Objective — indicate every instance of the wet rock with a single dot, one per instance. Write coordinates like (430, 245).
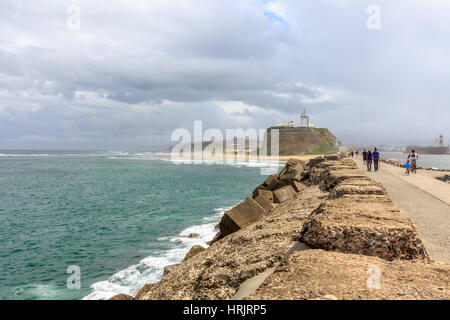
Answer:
(194, 235)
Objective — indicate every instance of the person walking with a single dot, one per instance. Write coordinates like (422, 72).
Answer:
(357, 153)
(376, 158)
(364, 154)
(369, 161)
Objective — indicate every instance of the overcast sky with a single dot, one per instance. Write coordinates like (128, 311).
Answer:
(136, 70)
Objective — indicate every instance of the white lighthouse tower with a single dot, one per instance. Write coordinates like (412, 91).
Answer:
(304, 119)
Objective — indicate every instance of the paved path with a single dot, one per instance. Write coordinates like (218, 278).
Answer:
(425, 200)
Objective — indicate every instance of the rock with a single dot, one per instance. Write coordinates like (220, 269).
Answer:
(256, 191)
(445, 178)
(216, 238)
(331, 157)
(270, 180)
(276, 184)
(318, 274)
(169, 268)
(264, 203)
(194, 251)
(282, 194)
(266, 194)
(363, 224)
(329, 297)
(241, 216)
(312, 162)
(218, 272)
(289, 178)
(144, 290)
(298, 186)
(121, 296)
(194, 235)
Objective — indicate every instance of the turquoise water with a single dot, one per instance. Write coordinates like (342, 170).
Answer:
(119, 217)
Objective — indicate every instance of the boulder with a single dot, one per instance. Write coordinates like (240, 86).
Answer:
(294, 166)
(284, 193)
(331, 157)
(144, 290)
(298, 186)
(194, 235)
(240, 217)
(266, 194)
(363, 224)
(288, 178)
(274, 183)
(312, 162)
(121, 296)
(264, 203)
(269, 180)
(260, 187)
(194, 250)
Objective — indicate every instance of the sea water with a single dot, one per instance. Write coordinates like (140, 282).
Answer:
(119, 217)
(439, 161)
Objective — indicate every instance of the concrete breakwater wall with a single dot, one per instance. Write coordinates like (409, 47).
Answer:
(346, 226)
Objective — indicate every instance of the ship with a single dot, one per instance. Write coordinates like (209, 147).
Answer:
(439, 147)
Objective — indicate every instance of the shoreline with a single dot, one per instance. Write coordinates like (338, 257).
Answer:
(264, 229)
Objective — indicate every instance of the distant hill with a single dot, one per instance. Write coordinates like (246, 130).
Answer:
(302, 140)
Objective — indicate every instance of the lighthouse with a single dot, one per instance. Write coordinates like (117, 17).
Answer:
(304, 119)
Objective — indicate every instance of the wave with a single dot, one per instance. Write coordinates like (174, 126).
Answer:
(150, 269)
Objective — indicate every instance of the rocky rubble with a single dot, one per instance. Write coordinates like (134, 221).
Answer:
(445, 178)
(359, 217)
(344, 217)
(217, 272)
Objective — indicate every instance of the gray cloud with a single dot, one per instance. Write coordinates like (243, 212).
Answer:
(137, 70)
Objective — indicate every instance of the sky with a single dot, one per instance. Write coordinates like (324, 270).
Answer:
(125, 74)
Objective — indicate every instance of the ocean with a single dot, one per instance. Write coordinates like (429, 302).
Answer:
(119, 217)
(439, 161)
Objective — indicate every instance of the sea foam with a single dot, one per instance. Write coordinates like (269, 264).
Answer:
(150, 269)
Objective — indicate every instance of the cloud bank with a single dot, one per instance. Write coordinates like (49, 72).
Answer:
(136, 70)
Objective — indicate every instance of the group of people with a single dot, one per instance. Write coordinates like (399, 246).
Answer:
(373, 157)
(370, 157)
(411, 162)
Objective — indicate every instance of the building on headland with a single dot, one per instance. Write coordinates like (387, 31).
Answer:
(303, 139)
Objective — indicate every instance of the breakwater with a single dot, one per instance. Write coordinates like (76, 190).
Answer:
(320, 228)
